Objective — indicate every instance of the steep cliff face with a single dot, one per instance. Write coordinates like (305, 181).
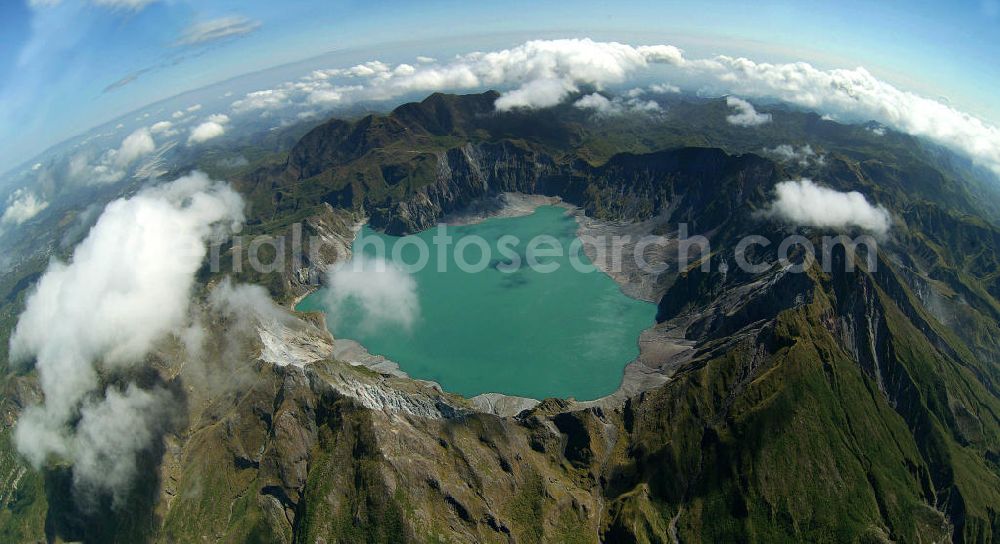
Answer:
(422, 176)
(462, 176)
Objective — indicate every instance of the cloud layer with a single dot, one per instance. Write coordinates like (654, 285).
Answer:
(126, 287)
(537, 74)
(543, 73)
(852, 95)
(804, 203)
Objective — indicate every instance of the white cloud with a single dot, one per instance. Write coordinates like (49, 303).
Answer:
(370, 69)
(537, 93)
(22, 206)
(134, 145)
(165, 128)
(537, 73)
(595, 101)
(177, 114)
(193, 108)
(803, 156)
(262, 100)
(213, 127)
(664, 88)
(114, 164)
(804, 203)
(647, 106)
(217, 29)
(327, 97)
(126, 287)
(385, 294)
(854, 96)
(746, 115)
(630, 103)
(206, 131)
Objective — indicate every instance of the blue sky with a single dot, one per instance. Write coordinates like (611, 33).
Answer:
(69, 65)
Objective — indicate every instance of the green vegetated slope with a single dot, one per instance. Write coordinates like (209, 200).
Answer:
(840, 406)
(785, 436)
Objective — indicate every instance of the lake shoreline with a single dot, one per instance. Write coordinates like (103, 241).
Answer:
(636, 376)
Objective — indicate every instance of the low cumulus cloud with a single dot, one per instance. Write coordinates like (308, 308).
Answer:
(22, 205)
(114, 164)
(126, 288)
(163, 128)
(597, 102)
(746, 115)
(134, 145)
(213, 127)
(267, 99)
(664, 88)
(805, 203)
(631, 102)
(803, 156)
(385, 294)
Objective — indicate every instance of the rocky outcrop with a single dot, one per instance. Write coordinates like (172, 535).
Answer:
(464, 175)
(627, 188)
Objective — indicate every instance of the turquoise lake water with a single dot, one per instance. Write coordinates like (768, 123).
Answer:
(561, 334)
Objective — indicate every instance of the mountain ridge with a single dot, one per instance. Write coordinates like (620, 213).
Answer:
(823, 406)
